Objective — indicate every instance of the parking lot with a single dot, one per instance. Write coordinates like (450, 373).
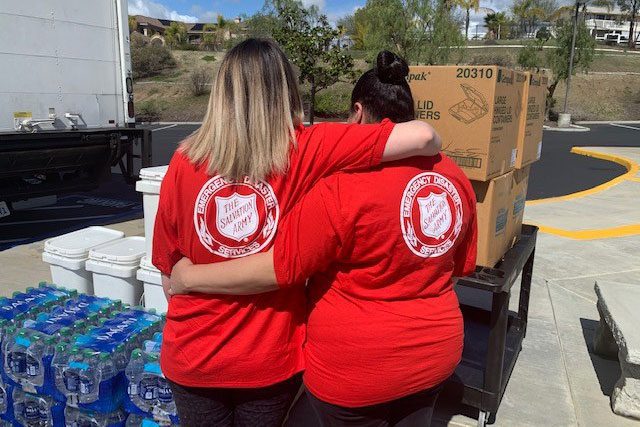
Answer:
(559, 172)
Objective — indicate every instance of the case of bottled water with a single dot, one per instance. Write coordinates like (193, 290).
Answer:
(29, 350)
(148, 392)
(75, 417)
(90, 372)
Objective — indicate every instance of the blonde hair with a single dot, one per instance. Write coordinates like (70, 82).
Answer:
(253, 111)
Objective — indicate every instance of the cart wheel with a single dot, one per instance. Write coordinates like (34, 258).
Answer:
(483, 417)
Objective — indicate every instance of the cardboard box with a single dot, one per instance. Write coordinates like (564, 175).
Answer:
(476, 110)
(519, 186)
(494, 202)
(500, 208)
(529, 144)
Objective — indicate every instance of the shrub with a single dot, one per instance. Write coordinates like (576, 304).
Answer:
(148, 111)
(187, 46)
(150, 60)
(502, 60)
(209, 58)
(333, 103)
(198, 81)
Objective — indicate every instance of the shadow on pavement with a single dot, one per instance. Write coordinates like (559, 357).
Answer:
(607, 371)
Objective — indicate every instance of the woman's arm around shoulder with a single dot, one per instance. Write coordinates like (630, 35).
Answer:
(409, 139)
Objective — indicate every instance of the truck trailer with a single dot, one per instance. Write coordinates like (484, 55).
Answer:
(66, 98)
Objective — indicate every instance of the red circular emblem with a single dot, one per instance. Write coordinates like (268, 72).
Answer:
(430, 215)
(234, 219)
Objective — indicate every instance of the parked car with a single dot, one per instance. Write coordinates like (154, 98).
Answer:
(616, 39)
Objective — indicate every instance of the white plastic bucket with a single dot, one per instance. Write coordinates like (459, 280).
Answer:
(114, 268)
(67, 256)
(152, 282)
(149, 186)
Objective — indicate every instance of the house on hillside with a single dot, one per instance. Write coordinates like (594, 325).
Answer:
(601, 20)
(155, 28)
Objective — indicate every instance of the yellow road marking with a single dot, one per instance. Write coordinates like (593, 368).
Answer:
(603, 233)
(631, 166)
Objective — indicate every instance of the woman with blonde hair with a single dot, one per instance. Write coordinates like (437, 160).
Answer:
(236, 360)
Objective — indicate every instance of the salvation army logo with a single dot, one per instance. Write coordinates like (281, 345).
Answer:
(234, 219)
(430, 215)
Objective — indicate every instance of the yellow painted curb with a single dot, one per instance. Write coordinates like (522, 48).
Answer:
(631, 166)
(604, 233)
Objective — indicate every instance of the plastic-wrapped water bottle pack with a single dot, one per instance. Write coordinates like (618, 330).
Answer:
(90, 372)
(29, 350)
(73, 360)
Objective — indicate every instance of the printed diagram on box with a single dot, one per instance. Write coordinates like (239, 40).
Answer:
(472, 108)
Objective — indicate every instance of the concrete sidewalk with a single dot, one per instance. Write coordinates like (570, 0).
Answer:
(557, 380)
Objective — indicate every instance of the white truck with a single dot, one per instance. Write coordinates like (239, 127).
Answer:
(66, 97)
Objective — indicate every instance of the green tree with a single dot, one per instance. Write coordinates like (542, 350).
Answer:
(558, 59)
(133, 24)
(498, 24)
(209, 37)
(631, 9)
(467, 5)
(529, 13)
(418, 30)
(309, 41)
(355, 27)
(176, 34)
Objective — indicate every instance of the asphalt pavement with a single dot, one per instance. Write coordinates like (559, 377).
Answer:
(559, 172)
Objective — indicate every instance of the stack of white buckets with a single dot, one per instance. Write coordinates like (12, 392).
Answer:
(103, 262)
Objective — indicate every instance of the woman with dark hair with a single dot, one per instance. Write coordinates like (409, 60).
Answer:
(236, 360)
(380, 249)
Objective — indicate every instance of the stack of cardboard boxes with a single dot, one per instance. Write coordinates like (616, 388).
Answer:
(490, 119)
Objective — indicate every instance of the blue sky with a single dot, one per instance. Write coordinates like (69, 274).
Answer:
(208, 10)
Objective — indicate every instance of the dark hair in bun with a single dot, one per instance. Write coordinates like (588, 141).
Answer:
(384, 92)
(390, 68)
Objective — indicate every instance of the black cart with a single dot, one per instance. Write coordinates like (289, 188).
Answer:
(493, 335)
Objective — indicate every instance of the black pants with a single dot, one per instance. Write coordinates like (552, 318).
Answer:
(225, 407)
(414, 410)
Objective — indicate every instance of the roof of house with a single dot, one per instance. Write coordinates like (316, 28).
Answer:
(165, 23)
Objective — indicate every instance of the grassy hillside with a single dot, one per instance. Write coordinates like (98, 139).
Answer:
(594, 96)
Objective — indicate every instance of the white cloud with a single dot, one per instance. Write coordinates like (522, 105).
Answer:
(157, 10)
(204, 15)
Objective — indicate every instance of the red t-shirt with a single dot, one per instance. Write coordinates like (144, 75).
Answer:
(384, 321)
(244, 341)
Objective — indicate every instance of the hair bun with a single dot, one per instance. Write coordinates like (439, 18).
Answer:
(390, 68)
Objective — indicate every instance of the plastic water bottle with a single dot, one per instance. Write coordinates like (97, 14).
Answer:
(135, 420)
(4, 399)
(75, 417)
(37, 410)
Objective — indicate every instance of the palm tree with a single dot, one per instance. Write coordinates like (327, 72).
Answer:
(467, 5)
(496, 22)
(176, 34)
(133, 24)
